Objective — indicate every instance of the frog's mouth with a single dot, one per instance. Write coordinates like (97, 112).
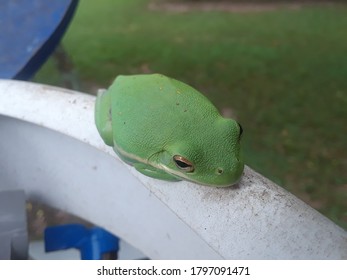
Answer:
(183, 176)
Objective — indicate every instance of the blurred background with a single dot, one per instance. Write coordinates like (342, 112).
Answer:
(279, 68)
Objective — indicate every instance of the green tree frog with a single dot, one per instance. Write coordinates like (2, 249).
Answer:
(168, 130)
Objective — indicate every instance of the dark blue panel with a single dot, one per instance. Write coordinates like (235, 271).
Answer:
(29, 32)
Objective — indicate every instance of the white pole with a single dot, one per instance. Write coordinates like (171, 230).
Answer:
(57, 157)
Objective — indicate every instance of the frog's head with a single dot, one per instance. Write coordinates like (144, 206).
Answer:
(213, 158)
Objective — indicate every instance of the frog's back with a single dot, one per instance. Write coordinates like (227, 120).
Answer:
(152, 110)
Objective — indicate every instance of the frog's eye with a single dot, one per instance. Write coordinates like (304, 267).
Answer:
(183, 164)
(241, 131)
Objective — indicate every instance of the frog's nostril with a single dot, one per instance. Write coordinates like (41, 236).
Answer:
(220, 171)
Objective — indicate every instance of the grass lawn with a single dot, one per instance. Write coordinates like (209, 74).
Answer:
(283, 74)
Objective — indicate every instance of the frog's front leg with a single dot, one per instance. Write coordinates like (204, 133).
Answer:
(103, 117)
(153, 172)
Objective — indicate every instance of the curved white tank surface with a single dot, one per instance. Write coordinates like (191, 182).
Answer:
(50, 148)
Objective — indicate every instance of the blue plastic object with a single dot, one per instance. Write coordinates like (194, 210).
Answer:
(29, 33)
(93, 243)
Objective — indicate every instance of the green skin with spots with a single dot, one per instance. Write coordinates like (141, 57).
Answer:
(168, 130)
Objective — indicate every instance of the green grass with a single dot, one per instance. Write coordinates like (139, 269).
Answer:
(283, 73)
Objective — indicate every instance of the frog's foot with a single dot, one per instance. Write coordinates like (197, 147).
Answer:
(153, 172)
